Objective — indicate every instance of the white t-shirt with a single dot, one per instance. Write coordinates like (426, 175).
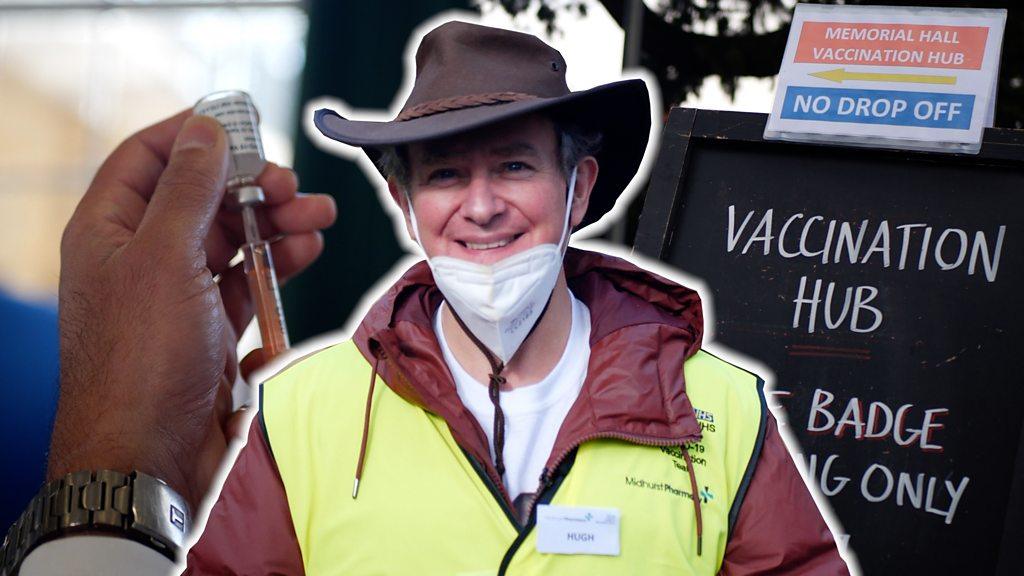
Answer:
(534, 413)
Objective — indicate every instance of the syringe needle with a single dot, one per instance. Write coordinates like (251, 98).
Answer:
(249, 224)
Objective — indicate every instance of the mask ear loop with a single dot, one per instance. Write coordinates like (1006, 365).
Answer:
(412, 219)
(568, 210)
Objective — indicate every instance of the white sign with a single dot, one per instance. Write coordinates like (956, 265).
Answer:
(577, 530)
(915, 78)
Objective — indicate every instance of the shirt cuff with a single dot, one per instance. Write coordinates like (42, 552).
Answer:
(95, 555)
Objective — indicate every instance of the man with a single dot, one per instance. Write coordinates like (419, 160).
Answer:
(511, 405)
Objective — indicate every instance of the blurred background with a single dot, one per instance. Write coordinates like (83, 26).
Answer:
(78, 77)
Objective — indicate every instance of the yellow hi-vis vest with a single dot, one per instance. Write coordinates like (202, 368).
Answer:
(424, 508)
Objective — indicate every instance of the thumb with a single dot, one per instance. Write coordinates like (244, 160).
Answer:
(237, 423)
(252, 362)
(191, 187)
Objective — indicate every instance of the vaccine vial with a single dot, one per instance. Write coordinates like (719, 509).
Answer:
(237, 114)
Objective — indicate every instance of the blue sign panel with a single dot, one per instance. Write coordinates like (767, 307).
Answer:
(893, 107)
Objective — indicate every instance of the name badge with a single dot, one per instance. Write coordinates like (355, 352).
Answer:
(575, 530)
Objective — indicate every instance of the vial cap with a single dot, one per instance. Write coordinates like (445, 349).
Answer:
(235, 111)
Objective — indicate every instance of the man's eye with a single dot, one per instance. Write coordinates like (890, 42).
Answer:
(442, 174)
(517, 166)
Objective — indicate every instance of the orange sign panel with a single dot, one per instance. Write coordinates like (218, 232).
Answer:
(908, 45)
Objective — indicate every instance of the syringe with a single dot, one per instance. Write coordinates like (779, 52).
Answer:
(237, 114)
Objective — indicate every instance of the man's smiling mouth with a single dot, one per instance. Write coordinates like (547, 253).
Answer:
(489, 245)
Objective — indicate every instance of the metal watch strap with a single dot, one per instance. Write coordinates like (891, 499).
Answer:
(136, 506)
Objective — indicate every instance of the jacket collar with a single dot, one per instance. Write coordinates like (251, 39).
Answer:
(643, 327)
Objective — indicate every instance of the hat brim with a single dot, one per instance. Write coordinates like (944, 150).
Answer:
(620, 111)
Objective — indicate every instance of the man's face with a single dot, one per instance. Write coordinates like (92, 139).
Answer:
(489, 194)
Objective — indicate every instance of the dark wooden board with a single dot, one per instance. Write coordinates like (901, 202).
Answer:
(937, 341)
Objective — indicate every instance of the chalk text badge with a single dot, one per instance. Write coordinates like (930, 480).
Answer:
(912, 78)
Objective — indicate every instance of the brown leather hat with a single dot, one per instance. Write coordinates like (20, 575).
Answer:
(469, 76)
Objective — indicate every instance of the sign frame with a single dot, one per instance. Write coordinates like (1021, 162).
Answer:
(840, 86)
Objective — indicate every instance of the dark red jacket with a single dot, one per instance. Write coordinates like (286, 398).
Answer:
(642, 329)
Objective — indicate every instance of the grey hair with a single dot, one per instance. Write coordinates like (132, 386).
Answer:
(575, 142)
(393, 162)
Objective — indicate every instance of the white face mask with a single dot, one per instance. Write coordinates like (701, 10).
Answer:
(500, 302)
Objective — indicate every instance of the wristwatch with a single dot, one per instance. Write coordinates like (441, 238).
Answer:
(136, 506)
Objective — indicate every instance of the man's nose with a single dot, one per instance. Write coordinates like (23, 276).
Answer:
(481, 204)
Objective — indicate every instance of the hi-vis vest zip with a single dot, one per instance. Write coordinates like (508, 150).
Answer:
(423, 507)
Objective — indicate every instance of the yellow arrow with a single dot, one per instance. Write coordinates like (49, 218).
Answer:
(840, 74)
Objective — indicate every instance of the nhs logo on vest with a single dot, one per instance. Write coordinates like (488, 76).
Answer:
(705, 419)
(911, 78)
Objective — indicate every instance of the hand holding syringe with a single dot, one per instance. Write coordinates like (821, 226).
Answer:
(236, 113)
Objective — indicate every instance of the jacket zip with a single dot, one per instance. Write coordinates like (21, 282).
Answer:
(547, 482)
(498, 495)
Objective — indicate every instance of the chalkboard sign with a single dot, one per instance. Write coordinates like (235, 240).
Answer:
(884, 288)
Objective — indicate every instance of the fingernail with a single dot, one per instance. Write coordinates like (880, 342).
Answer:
(197, 132)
